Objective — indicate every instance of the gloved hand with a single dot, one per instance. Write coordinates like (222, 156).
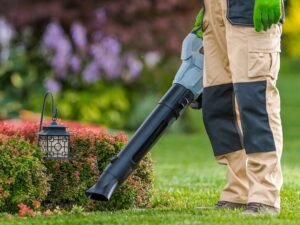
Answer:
(266, 13)
(197, 29)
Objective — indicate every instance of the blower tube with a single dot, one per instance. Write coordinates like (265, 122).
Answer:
(169, 108)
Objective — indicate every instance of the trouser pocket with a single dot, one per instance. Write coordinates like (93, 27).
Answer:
(264, 56)
(263, 64)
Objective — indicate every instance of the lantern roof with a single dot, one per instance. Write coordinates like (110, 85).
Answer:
(54, 129)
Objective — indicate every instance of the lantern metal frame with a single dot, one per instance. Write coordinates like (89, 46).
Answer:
(53, 139)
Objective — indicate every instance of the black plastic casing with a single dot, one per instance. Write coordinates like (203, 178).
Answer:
(169, 109)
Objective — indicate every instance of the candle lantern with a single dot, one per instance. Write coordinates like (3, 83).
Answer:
(53, 139)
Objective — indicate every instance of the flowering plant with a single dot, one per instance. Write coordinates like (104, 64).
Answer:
(25, 211)
(91, 150)
(75, 58)
(101, 58)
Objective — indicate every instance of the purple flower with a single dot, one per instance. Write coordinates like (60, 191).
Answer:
(52, 85)
(152, 59)
(111, 45)
(63, 46)
(78, 33)
(6, 32)
(98, 52)
(112, 67)
(107, 46)
(75, 63)
(59, 64)
(6, 35)
(53, 32)
(55, 39)
(91, 73)
(60, 60)
(106, 54)
(134, 65)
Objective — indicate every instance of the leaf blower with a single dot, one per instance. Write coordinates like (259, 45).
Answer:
(186, 89)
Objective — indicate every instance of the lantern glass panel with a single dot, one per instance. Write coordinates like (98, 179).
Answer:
(54, 146)
(43, 143)
(57, 146)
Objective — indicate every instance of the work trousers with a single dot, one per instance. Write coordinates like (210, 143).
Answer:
(241, 105)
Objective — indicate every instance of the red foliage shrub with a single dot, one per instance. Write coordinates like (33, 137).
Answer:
(91, 150)
(26, 130)
(25, 211)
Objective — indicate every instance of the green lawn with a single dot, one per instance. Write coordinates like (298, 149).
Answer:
(186, 176)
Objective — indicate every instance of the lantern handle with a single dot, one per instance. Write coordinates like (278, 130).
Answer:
(53, 109)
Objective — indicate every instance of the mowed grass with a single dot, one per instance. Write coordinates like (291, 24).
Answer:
(187, 176)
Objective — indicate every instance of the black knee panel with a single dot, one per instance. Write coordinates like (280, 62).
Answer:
(220, 120)
(252, 102)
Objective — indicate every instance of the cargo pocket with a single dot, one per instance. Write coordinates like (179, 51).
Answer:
(263, 56)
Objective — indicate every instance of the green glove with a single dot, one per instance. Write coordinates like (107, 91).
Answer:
(266, 13)
(197, 29)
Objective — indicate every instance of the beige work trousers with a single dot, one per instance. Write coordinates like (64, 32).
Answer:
(241, 105)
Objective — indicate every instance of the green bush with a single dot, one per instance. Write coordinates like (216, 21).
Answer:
(91, 151)
(107, 104)
(23, 177)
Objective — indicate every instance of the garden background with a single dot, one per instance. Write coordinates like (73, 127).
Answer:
(108, 62)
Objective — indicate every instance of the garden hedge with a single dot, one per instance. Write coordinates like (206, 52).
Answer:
(23, 177)
(91, 150)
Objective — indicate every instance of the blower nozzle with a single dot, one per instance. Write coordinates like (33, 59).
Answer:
(104, 188)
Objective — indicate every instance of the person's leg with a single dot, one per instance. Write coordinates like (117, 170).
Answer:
(254, 63)
(218, 105)
(236, 189)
